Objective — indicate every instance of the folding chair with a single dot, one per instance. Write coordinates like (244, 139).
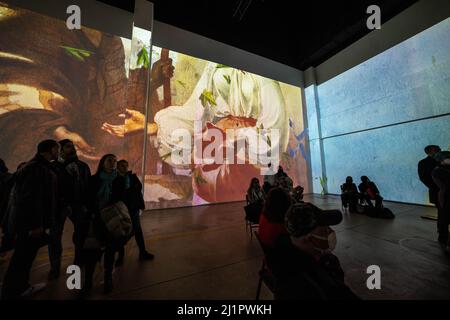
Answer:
(264, 273)
(249, 225)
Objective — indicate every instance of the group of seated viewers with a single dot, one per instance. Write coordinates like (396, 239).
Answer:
(368, 191)
(298, 242)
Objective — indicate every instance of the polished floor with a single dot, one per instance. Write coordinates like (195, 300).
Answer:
(205, 253)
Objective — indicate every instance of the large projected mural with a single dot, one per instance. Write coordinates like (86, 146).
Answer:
(377, 117)
(93, 88)
(59, 83)
(218, 98)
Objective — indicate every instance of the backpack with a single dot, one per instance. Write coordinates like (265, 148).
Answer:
(117, 223)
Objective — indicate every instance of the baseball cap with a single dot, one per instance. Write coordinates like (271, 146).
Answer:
(302, 218)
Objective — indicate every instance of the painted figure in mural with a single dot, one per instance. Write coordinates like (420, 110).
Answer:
(63, 84)
(59, 83)
(237, 100)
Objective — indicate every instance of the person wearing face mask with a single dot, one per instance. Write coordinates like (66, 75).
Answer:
(302, 262)
(441, 177)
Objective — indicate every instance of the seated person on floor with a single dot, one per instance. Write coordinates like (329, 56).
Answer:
(301, 260)
(369, 191)
(271, 221)
(349, 195)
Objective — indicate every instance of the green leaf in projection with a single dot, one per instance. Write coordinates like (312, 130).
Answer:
(227, 78)
(143, 58)
(198, 178)
(207, 97)
(79, 54)
(261, 127)
(219, 66)
(182, 83)
(269, 142)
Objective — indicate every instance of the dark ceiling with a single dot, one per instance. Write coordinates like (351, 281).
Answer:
(298, 34)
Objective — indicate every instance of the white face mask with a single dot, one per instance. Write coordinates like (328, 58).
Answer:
(331, 239)
(446, 162)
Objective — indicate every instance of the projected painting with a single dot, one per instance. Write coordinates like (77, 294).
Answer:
(222, 98)
(93, 88)
(58, 83)
(377, 117)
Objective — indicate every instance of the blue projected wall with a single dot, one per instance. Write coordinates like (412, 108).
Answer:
(376, 118)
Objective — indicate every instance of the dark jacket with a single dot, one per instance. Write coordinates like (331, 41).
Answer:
(132, 197)
(424, 169)
(33, 202)
(74, 176)
(299, 276)
(441, 176)
(363, 187)
(349, 187)
(6, 183)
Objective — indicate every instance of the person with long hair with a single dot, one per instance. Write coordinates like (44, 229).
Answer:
(100, 196)
(254, 192)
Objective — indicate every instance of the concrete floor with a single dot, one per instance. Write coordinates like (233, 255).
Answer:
(205, 253)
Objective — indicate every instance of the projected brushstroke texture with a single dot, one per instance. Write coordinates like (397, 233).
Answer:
(237, 93)
(57, 83)
(410, 81)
